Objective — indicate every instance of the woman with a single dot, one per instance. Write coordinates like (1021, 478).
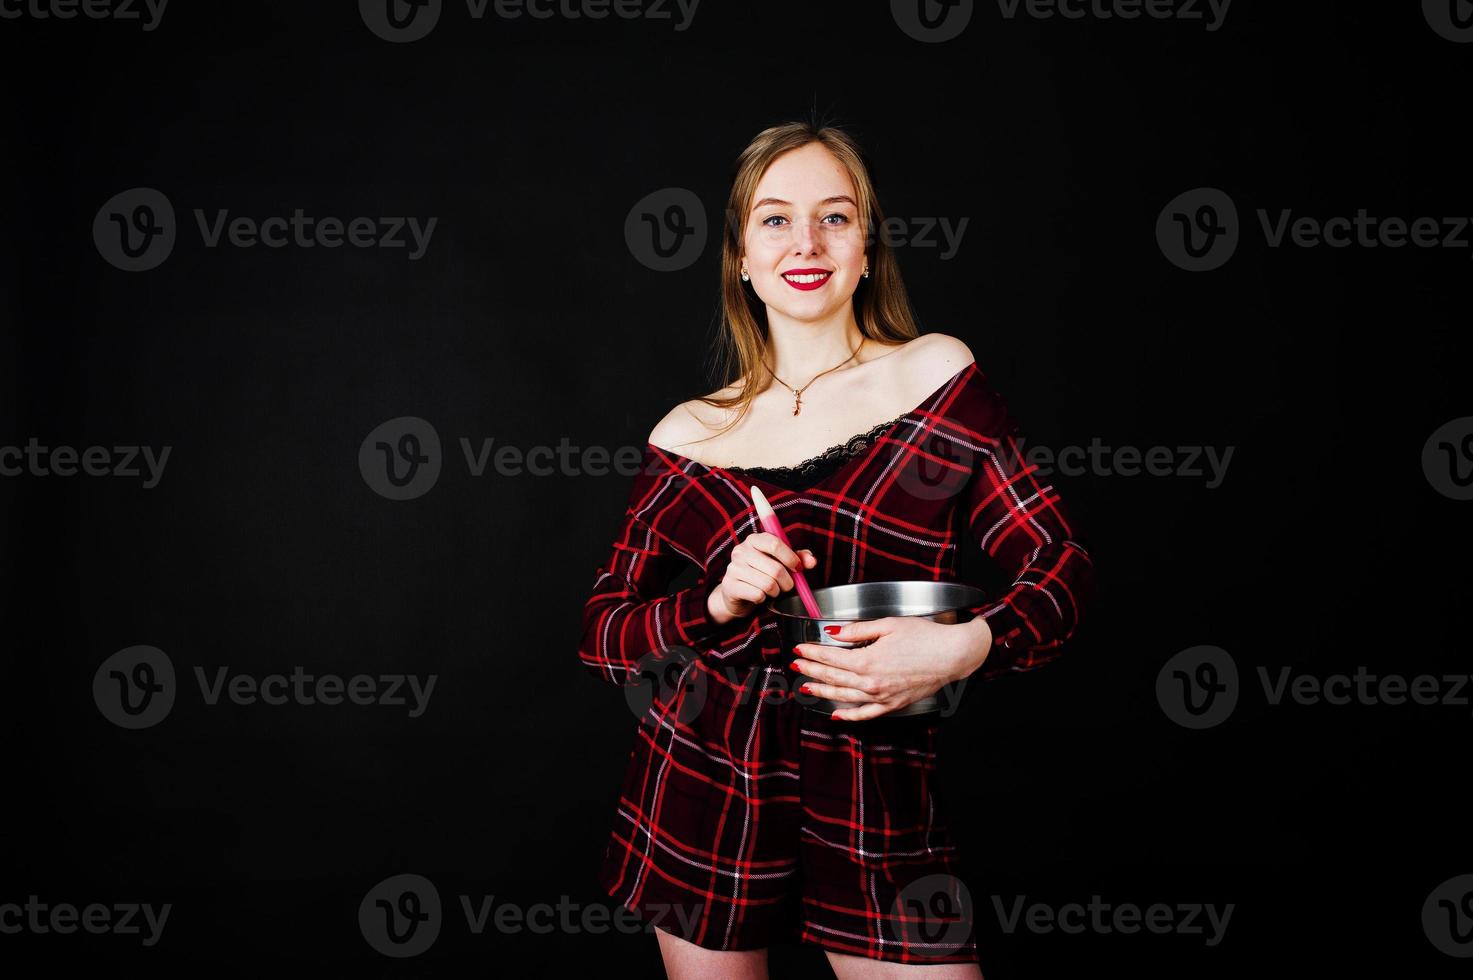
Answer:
(745, 816)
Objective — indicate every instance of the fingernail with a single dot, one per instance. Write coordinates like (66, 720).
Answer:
(832, 630)
(804, 688)
(795, 666)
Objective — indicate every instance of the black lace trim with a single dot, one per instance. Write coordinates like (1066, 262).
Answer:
(844, 451)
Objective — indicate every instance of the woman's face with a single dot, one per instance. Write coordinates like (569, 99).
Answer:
(804, 236)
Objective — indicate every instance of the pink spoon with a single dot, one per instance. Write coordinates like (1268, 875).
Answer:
(770, 524)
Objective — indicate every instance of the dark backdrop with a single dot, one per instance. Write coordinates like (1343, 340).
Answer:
(532, 318)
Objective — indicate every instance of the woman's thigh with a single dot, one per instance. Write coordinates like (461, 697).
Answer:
(847, 967)
(686, 961)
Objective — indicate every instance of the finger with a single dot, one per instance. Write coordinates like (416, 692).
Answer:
(833, 693)
(823, 653)
(743, 591)
(762, 582)
(809, 560)
(867, 629)
(831, 675)
(862, 713)
(772, 545)
(772, 569)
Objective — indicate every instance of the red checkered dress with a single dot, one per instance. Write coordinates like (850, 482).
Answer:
(746, 817)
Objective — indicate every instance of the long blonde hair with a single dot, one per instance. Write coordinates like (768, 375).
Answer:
(882, 308)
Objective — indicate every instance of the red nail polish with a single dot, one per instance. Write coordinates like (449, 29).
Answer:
(804, 689)
(795, 666)
(832, 630)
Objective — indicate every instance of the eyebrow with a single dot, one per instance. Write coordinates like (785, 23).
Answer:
(828, 200)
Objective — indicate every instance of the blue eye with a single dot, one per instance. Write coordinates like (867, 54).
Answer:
(843, 219)
(775, 217)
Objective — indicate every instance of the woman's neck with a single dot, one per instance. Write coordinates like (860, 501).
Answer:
(798, 350)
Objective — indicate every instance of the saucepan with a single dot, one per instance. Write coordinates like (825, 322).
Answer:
(940, 602)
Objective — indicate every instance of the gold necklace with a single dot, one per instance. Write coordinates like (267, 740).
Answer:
(798, 392)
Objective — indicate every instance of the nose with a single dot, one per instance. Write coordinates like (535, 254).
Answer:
(805, 238)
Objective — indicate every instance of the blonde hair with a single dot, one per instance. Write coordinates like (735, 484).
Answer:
(882, 308)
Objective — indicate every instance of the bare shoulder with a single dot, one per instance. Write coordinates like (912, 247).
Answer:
(688, 422)
(931, 359)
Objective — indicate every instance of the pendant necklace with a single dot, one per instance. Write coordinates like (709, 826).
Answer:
(798, 392)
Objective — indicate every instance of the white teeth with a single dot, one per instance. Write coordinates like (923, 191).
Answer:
(811, 277)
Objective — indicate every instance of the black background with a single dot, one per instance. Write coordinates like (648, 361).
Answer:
(529, 320)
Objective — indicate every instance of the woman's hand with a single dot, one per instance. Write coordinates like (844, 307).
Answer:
(910, 659)
(761, 568)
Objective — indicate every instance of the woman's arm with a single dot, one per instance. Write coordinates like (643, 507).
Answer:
(1022, 524)
(630, 625)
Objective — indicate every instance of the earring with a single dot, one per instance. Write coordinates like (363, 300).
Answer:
(747, 278)
(866, 272)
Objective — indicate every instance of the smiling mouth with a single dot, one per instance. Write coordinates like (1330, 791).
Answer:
(807, 280)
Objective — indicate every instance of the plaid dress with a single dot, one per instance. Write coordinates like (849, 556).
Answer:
(745, 817)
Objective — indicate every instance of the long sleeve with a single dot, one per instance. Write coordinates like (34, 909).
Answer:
(1022, 524)
(630, 624)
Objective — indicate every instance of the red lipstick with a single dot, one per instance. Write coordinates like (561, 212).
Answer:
(816, 277)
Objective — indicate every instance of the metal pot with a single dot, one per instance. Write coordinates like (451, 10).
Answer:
(940, 602)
